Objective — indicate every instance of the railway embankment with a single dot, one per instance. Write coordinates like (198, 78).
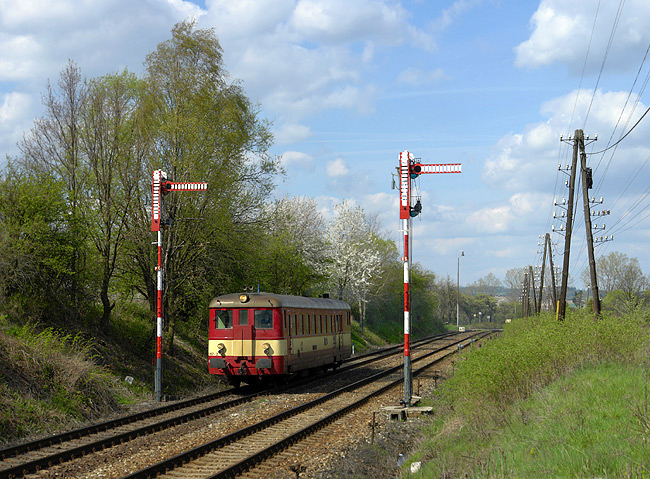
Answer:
(546, 399)
(52, 380)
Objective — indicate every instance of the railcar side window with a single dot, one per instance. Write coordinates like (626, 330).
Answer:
(263, 319)
(223, 319)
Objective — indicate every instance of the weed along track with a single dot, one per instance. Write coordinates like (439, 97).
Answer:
(119, 447)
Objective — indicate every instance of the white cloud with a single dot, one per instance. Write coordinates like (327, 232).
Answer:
(305, 56)
(290, 133)
(297, 158)
(491, 220)
(452, 13)
(529, 160)
(13, 104)
(38, 37)
(562, 32)
(503, 218)
(336, 21)
(337, 168)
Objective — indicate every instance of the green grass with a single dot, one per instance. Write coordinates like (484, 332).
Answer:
(546, 400)
(592, 423)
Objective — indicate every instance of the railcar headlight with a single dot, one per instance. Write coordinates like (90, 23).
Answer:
(221, 349)
(267, 349)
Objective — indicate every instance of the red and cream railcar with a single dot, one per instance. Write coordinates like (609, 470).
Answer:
(257, 335)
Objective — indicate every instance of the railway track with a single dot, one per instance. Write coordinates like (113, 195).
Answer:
(236, 453)
(33, 456)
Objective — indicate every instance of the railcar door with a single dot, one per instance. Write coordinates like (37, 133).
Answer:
(243, 333)
(292, 333)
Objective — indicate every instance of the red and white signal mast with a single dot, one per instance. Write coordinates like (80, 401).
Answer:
(409, 170)
(160, 187)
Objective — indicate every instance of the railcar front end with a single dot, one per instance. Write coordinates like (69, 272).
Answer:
(258, 335)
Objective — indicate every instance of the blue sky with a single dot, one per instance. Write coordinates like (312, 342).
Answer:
(348, 84)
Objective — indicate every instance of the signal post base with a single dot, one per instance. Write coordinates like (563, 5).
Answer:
(402, 413)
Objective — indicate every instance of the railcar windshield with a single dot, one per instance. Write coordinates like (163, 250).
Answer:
(223, 319)
(263, 319)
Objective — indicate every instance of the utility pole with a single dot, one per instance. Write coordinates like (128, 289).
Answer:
(409, 169)
(531, 274)
(160, 187)
(587, 183)
(578, 141)
(525, 296)
(553, 295)
(569, 227)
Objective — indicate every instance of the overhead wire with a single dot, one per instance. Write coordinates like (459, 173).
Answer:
(602, 65)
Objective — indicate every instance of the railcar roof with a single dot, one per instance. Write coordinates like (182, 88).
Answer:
(266, 300)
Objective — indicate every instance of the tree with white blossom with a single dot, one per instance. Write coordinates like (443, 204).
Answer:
(354, 258)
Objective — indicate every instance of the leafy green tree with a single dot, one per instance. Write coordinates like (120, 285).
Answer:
(202, 128)
(617, 271)
(52, 148)
(36, 264)
(578, 298)
(113, 152)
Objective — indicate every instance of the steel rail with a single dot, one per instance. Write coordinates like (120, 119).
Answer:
(68, 454)
(204, 449)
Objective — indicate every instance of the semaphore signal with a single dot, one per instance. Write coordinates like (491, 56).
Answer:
(160, 186)
(409, 169)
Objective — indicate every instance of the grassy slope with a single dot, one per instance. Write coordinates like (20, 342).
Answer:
(50, 380)
(546, 400)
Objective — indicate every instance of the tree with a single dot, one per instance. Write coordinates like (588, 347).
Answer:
(354, 257)
(616, 271)
(487, 285)
(203, 128)
(36, 245)
(295, 253)
(514, 281)
(578, 298)
(52, 149)
(114, 151)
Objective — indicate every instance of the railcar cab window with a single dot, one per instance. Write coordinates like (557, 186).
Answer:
(223, 319)
(263, 319)
(243, 317)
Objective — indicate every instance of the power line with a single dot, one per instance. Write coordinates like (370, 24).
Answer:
(624, 136)
(602, 66)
